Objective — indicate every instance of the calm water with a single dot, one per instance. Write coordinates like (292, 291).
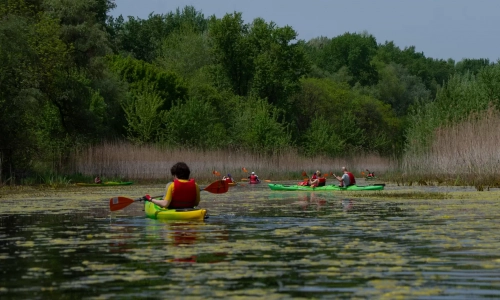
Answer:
(255, 244)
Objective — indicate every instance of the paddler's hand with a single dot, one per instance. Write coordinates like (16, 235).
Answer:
(147, 198)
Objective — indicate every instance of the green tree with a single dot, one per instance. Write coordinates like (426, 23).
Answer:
(142, 37)
(145, 117)
(351, 50)
(194, 123)
(471, 65)
(257, 127)
(184, 52)
(320, 138)
(144, 77)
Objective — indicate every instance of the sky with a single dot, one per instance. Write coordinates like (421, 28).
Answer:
(440, 29)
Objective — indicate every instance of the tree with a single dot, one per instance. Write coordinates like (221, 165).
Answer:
(142, 37)
(144, 77)
(145, 117)
(352, 50)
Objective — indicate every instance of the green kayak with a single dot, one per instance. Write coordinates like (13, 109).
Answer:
(282, 187)
(107, 183)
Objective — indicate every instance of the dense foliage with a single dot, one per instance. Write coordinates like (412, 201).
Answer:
(71, 75)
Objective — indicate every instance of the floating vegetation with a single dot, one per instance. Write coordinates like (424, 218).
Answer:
(403, 195)
(256, 243)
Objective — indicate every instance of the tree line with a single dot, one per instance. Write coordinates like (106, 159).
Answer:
(73, 76)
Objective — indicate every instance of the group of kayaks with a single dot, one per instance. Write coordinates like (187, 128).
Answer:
(296, 187)
(154, 211)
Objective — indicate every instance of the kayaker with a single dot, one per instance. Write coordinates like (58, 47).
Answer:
(315, 179)
(97, 180)
(228, 178)
(183, 192)
(347, 178)
(254, 178)
(370, 174)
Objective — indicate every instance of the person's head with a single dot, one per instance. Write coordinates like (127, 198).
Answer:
(228, 175)
(253, 173)
(344, 169)
(318, 173)
(180, 170)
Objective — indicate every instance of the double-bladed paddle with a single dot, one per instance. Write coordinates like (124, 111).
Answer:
(117, 203)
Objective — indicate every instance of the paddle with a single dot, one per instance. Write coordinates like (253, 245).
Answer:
(117, 203)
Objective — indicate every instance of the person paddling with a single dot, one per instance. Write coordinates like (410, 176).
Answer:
(228, 178)
(315, 179)
(254, 178)
(347, 178)
(183, 192)
(97, 180)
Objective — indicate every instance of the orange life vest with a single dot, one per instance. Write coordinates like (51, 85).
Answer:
(184, 195)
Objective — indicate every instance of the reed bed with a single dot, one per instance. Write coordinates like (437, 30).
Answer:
(151, 163)
(466, 153)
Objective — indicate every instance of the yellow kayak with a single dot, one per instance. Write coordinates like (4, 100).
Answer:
(154, 211)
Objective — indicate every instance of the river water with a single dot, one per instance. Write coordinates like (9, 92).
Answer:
(257, 243)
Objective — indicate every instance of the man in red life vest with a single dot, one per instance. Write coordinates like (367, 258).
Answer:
(254, 178)
(347, 178)
(183, 192)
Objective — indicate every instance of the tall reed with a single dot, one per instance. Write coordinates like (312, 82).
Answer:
(467, 152)
(149, 162)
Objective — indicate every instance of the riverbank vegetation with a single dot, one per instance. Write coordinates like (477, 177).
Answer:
(84, 94)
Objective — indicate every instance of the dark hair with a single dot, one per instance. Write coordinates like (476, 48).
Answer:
(181, 170)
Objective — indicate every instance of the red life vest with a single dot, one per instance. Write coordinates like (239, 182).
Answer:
(351, 178)
(253, 179)
(322, 182)
(184, 195)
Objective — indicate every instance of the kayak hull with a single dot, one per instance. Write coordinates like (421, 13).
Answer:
(282, 187)
(107, 183)
(154, 211)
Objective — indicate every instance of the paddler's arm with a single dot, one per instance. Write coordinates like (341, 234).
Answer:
(197, 195)
(168, 196)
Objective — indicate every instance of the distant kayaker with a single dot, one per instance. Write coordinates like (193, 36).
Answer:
(228, 178)
(370, 174)
(183, 192)
(254, 178)
(347, 178)
(97, 180)
(315, 179)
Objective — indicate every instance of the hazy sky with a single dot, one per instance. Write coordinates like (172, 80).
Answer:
(440, 28)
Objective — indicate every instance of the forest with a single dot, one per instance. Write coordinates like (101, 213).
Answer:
(73, 77)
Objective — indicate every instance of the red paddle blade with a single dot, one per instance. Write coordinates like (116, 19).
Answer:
(117, 203)
(304, 173)
(217, 187)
